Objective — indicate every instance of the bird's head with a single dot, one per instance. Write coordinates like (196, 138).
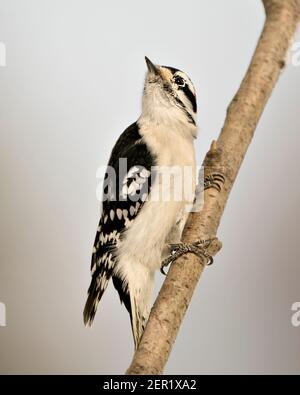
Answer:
(169, 95)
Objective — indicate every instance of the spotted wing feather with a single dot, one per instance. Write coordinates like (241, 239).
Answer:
(125, 195)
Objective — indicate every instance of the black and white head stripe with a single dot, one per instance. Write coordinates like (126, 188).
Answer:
(184, 86)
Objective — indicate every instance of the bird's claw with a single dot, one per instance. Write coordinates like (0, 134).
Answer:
(162, 270)
(198, 248)
(214, 180)
(169, 259)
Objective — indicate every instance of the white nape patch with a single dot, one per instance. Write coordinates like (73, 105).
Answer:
(112, 214)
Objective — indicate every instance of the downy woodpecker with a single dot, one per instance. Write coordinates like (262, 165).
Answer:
(135, 230)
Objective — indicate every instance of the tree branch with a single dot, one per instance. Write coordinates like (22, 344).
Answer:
(225, 156)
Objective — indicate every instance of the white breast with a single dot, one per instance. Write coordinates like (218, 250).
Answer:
(145, 239)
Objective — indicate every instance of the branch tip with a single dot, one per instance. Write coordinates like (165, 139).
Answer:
(213, 146)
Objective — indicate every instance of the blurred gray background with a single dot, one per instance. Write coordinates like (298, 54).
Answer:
(72, 83)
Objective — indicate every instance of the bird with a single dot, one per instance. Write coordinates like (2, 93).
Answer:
(137, 224)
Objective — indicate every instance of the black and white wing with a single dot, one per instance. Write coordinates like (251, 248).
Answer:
(127, 185)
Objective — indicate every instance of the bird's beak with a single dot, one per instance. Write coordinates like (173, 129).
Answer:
(151, 67)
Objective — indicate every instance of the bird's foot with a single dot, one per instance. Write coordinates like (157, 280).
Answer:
(198, 248)
(214, 180)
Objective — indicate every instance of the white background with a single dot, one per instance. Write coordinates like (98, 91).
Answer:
(72, 84)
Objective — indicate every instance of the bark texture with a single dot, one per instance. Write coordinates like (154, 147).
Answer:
(225, 156)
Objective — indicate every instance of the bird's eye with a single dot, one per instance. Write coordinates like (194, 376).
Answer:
(179, 81)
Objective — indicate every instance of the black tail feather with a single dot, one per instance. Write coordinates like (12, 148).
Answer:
(98, 286)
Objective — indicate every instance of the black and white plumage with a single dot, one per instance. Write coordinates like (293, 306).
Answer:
(134, 229)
